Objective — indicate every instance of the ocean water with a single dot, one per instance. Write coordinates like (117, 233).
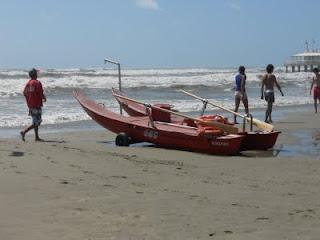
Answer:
(147, 85)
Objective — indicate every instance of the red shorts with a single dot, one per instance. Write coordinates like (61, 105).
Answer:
(316, 93)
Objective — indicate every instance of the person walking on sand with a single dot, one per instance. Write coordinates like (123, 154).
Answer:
(240, 91)
(316, 88)
(267, 90)
(35, 97)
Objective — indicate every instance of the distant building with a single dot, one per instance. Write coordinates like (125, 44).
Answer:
(305, 61)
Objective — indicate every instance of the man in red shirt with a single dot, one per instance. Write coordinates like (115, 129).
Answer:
(34, 95)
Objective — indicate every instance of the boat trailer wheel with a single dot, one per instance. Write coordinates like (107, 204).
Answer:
(122, 139)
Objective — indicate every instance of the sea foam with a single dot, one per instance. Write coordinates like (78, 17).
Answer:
(147, 85)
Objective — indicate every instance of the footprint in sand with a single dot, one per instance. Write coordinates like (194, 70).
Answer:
(123, 177)
(262, 218)
(75, 166)
(138, 184)
(308, 213)
(79, 209)
(87, 172)
(62, 181)
(16, 154)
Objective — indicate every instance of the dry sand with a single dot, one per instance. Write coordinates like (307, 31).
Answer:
(80, 186)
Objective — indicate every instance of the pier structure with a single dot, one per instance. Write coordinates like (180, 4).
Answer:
(303, 62)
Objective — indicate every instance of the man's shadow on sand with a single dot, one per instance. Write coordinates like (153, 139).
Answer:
(51, 141)
(283, 122)
(263, 154)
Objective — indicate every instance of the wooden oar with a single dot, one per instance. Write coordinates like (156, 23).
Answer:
(258, 123)
(223, 127)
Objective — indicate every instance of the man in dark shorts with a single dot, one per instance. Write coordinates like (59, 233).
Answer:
(35, 97)
(267, 90)
(315, 85)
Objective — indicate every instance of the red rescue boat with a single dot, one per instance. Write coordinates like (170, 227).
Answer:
(136, 109)
(163, 134)
(254, 140)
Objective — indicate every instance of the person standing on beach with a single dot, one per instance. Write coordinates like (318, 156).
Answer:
(316, 88)
(240, 91)
(267, 90)
(35, 97)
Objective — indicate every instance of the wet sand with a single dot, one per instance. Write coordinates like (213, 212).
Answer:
(80, 186)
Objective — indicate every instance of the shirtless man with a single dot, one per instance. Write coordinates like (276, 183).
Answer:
(268, 82)
(316, 87)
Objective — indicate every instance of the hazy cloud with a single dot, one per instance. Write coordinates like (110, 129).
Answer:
(149, 4)
(234, 5)
(50, 15)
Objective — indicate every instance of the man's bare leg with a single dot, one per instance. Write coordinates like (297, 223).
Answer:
(270, 120)
(246, 105)
(237, 103)
(36, 133)
(268, 112)
(24, 132)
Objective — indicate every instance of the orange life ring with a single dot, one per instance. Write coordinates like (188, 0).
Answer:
(210, 118)
(219, 118)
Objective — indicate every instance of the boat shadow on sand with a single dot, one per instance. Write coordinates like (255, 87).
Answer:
(307, 144)
(249, 153)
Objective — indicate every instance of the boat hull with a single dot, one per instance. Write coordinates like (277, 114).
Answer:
(252, 141)
(259, 140)
(164, 135)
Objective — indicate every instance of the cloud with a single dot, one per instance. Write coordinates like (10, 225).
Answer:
(149, 4)
(50, 15)
(235, 6)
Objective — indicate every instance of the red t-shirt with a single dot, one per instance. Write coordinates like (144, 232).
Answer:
(33, 92)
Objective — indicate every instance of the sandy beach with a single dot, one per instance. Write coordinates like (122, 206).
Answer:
(80, 186)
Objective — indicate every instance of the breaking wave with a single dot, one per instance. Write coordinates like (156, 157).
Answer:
(150, 85)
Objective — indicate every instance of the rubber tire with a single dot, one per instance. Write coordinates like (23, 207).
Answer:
(122, 140)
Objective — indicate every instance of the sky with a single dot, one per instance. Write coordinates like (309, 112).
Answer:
(154, 33)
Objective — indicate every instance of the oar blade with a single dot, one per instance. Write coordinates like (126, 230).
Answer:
(262, 125)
